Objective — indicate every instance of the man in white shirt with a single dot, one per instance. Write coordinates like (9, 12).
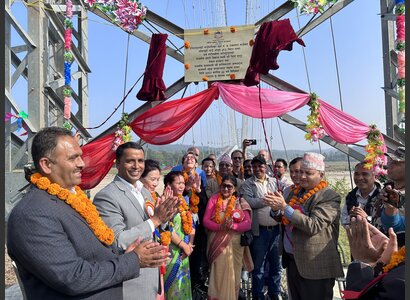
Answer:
(121, 204)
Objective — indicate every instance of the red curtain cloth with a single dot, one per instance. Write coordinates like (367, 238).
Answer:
(153, 86)
(98, 157)
(271, 38)
(167, 122)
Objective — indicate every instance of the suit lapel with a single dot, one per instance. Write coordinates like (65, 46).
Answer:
(129, 196)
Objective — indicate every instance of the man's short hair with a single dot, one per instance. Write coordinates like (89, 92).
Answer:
(285, 164)
(208, 159)
(45, 141)
(295, 160)
(192, 149)
(361, 165)
(236, 151)
(128, 145)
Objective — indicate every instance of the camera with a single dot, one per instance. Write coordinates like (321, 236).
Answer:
(253, 142)
(394, 198)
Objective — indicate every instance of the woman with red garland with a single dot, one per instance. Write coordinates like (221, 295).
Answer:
(177, 277)
(226, 217)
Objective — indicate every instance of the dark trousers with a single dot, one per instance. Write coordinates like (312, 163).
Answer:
(265, 248)
(306, 289)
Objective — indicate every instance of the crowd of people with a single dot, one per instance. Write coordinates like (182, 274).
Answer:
(214, 220)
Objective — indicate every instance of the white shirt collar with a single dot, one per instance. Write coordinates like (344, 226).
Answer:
(138, 184)
(358, 193)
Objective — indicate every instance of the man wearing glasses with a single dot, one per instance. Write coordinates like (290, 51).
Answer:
(264, 229)
(237, 160)
(226, 168)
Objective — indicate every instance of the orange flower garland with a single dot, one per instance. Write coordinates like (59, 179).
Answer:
(166, 238)
(80, 203)
(194, 199)
(186, 215)
(228, 211)
(154, 196)
(295, 200)
(397, 258)
(219, 179)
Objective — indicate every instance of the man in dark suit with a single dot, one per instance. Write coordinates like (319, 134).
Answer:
(60, 255)
(122, 206)
(311, 232)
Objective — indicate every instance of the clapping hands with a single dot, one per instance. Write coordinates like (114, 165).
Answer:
(166, 207)
(367, 243)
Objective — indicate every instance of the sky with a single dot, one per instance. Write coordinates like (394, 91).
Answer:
(357, 36)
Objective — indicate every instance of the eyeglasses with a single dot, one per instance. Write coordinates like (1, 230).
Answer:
(224, 165)
(227, 186)
(238, 158)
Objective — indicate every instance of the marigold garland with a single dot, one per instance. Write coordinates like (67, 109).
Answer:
(166, 238)
(186, 215)
(80, 203)
(397, 258)
(194, 198)
(219, 178)
(228, 211)
(297, 201)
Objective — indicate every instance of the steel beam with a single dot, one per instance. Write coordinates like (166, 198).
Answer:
(277, 13)
(165, 24)
(56, 22)
(389, 72)
(60, 104)
(141, 35)
(339, 5)
(327, 139)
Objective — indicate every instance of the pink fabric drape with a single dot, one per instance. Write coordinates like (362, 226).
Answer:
(340, 126)
(167, 122)
(245, 100)
(98, 157)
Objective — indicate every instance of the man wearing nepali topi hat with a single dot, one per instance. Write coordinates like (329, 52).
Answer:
(310, 218)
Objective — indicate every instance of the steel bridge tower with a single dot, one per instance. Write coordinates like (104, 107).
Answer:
(34, 59)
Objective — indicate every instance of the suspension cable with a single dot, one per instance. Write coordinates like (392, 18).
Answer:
(340, 92)
(283, 141)
(275, 174)
(126, 71)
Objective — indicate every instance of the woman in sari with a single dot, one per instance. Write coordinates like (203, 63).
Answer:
(177, 279)
(226, 217)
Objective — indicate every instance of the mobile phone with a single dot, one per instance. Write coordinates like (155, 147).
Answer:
(253, 142)
(393, 198)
